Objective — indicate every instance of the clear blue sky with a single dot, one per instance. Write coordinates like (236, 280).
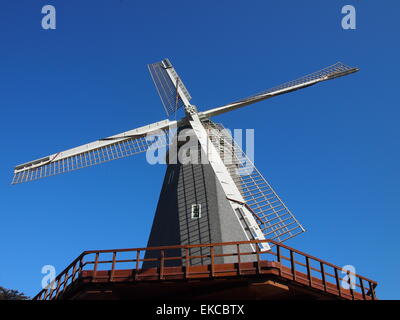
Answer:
(331, 151)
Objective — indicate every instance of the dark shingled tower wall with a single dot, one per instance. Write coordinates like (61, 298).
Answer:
(183, 186)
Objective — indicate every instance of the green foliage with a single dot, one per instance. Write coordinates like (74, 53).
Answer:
(8, 294)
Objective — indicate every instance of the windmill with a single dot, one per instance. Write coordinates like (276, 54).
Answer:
(199, 203)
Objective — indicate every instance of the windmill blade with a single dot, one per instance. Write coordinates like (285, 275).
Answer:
(335, 71)
(273, 217)
(170, 87)
(118, 146)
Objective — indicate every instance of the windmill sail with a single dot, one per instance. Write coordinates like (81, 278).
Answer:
(170, 87)
(273, 217)
(118, 146)
(335, 71)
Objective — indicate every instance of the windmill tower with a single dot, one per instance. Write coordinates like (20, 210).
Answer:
(217, 201)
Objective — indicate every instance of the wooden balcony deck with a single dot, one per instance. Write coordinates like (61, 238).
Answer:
(281, 273)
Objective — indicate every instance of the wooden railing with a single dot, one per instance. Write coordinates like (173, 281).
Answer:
(285, 261)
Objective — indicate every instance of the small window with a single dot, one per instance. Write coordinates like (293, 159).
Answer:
(196, 211)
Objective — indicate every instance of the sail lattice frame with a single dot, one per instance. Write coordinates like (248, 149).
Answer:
(274, 218)
(339, 69)
(127, 147)
(166, 88)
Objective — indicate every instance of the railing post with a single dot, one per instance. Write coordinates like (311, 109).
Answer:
(113, 266)
(309, 272)
(187, 262)
(96, 261)
(372, 290)
(278, 253)
(48, 292)
(292, 265)
(51, 294)
(64, 285)
(258, 258)
(279, 258)
(362, 288)
(323, 275)
(239, 260)
(81, 264)
(58, 289)
(350, 285)
(161, 275)
(212, 260)
(338, 282)
(74, 272)
(137, 264)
